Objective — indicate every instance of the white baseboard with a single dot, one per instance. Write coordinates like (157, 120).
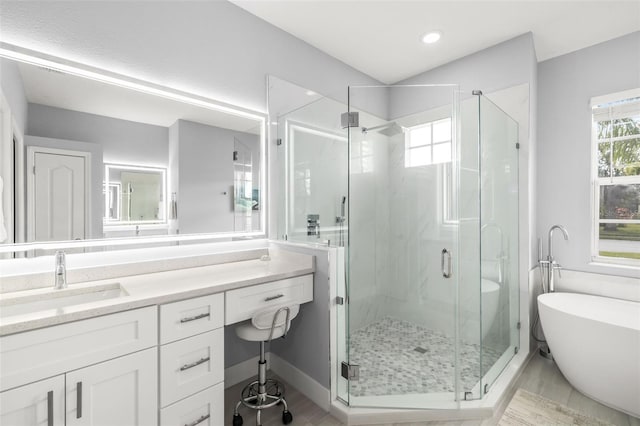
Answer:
(243, 371)
(301, 381)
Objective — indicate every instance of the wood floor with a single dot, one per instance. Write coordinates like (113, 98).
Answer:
(541, 377)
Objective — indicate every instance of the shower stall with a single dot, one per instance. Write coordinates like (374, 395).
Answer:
(418, 186)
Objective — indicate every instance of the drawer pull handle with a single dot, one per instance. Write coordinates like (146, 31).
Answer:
(50, 408)
(194, 364)
(79, 400)
(270, 298)
(197, 317)
(197, 422)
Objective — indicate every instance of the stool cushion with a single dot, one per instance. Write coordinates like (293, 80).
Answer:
(258, 328)
(246, 331)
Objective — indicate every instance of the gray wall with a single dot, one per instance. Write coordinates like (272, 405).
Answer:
(566, 86)
(13, 90)
(498, 67)
(97, 171)
(307, 346)
(122, 141)
(205, 176)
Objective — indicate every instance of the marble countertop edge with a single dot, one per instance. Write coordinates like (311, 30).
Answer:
(159, 288)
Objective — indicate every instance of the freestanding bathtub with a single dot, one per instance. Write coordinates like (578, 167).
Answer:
(596, 344)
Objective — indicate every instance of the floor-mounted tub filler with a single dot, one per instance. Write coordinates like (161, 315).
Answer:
(596, 344)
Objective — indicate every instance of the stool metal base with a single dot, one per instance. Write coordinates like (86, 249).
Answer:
(272, 395)
(262, 394)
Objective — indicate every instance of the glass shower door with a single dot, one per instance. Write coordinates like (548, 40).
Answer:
(500, 306)
(402, 252)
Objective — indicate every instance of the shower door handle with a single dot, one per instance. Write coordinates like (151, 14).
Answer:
(446, 272)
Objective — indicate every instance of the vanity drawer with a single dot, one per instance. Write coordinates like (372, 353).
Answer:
(190, 365)
(206, 408)
(190, 317)
(242, 303)
(32, 355)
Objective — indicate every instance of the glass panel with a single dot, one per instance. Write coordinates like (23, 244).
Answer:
(619, 233)
(626, 157)
(442, 131)
(418, 156)
(499, 240)
(401, 310)
(604, 159)
(620, 202)
(311, 184)
(441, 153)
(420, 136)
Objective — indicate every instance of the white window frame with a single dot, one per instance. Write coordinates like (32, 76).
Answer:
(430, 145)
(597, 182)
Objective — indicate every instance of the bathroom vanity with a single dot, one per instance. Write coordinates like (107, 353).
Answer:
(151, 354)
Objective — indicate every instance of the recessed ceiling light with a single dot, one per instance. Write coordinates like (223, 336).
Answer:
(311, 93)
(431, 37)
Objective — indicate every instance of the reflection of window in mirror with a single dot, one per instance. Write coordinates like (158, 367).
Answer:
(135, 195)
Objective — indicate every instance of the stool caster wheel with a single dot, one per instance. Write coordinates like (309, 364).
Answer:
(237, 420)
(287, 417)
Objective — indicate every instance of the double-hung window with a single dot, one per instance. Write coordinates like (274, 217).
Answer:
(616, 171)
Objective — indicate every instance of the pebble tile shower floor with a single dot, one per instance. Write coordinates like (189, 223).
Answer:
(397, 357)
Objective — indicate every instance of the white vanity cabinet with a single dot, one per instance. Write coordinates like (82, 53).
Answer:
(40, 403)
(121, 391)
(99, 371)
(160, 364)
(192, 362)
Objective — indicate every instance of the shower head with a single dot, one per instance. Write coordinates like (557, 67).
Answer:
(389, 129)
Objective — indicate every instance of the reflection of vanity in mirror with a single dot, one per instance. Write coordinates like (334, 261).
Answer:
(97, 160)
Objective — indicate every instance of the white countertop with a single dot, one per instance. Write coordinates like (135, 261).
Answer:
(158, 288)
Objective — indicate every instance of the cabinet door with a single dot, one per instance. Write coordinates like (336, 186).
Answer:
(122, 391)
(36, 404)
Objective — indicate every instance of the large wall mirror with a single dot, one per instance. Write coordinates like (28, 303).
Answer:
(89, 155)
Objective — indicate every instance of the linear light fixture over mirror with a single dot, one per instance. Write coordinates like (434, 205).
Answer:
(78, 142)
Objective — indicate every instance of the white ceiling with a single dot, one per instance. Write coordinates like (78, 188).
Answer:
(381, 38)
(46, 87)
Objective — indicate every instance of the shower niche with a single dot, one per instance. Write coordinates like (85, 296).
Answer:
(417, 188)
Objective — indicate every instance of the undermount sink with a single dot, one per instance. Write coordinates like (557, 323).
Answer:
(58, 299)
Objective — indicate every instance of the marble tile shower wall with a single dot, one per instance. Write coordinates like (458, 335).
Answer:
(317, 188)
(419, 293)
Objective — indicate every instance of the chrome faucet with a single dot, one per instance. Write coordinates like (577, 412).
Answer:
(551, 264)
(60, 271)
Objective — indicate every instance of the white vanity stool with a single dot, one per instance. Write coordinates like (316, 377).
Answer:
(264, 393)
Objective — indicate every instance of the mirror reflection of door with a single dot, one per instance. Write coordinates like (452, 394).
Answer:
(57, 182)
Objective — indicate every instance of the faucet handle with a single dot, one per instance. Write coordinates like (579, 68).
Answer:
(557, 267)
